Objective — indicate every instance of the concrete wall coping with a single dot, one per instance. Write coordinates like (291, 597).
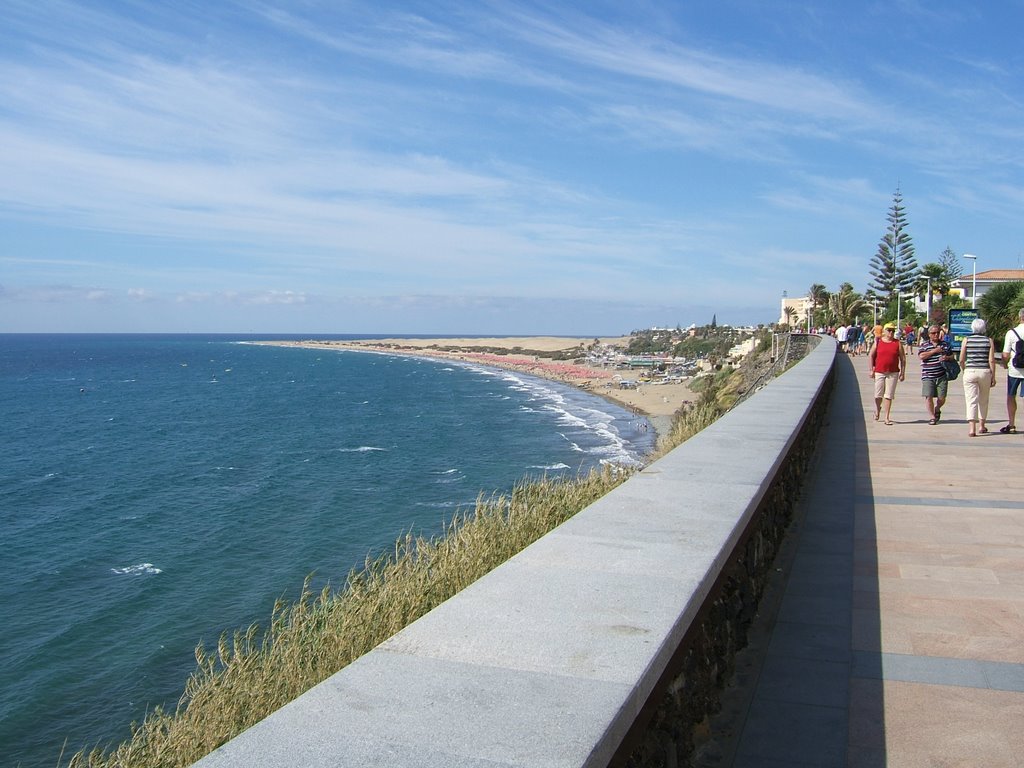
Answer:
(548, 659)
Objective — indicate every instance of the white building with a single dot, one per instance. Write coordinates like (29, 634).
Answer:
(801, 305)
(986, 280)
(743, 348)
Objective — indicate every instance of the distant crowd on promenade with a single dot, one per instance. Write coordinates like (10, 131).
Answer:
(976, 364)
(857, 339)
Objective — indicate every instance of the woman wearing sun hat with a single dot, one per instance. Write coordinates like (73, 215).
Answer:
(888, 364)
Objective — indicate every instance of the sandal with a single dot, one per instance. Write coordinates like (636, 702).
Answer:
(1009, 429)
(984, 430)
(888, 423)
(932, 421)
(938, 415)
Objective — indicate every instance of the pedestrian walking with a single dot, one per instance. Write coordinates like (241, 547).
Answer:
(978, 361)
(934, 384)
(888, 361)
(1014, 375)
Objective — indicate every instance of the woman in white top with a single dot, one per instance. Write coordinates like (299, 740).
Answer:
(978, 361)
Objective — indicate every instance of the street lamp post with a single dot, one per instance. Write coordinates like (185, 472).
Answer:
(899, 307)
(928, 304)
(974, 280)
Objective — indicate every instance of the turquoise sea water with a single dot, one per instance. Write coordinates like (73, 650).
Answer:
(158, 490)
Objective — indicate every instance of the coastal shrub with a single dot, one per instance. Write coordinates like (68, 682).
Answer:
(252, 673)
(728, 391)
(700, 382)
(717, 393)
(687, 422)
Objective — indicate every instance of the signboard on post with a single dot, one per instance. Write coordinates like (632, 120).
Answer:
(960, 325)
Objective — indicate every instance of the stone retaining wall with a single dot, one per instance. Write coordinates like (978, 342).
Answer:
(604, 642)
(676, 718)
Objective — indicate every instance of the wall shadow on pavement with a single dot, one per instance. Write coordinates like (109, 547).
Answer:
(808, 688)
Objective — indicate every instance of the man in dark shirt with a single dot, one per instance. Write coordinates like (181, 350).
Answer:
(934, 384)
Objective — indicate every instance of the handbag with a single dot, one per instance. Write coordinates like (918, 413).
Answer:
(952, 369)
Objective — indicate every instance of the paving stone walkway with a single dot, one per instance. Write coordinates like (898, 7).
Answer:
(894, 632)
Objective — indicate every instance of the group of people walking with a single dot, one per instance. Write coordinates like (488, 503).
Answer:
(858, 339)
(851, 338)
(887, 361)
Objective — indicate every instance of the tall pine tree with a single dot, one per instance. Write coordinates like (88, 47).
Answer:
(950, 264)
(893, 268)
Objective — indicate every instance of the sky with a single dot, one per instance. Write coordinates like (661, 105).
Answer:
(435, 167)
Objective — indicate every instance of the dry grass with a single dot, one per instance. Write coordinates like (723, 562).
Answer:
(688, 421)
(253, 673)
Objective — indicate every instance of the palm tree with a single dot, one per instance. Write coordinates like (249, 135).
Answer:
(999, 305)
(845, 304)
(818, 296)
(935, 275)
(790, 313)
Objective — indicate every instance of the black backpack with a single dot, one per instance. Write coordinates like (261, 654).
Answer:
(1018, 351)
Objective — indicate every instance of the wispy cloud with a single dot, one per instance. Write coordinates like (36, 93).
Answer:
(411, 41)
(651, 58)
(824, 196)
(280, 155)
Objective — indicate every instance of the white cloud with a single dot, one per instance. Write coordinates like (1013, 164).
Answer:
(355, 150)
(275, 297)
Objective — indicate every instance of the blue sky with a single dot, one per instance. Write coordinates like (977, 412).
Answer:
(456, 167)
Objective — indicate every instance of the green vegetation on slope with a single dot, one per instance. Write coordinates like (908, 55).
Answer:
(717, 394)
(710, 341)
(255, 672)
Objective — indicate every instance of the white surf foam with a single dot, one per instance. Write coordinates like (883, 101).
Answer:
(587, 425)
(139, 569)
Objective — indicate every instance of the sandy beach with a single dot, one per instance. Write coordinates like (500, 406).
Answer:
(656, 401)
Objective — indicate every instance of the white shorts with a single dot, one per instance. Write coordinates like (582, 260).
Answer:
(885, 385)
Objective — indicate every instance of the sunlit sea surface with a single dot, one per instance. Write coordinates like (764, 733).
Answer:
(158, 490)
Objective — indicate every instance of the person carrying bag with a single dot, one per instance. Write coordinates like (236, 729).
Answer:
(978, 359)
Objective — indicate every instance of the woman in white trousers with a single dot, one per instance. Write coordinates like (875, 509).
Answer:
(978, 361)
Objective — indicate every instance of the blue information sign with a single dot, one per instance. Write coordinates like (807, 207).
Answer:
(960, 325)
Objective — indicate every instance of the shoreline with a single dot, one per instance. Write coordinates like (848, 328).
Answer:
(656, 402)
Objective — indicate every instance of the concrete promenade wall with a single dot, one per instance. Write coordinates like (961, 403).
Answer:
(604, 642)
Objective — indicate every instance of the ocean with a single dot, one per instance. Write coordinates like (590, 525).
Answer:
(158, 490)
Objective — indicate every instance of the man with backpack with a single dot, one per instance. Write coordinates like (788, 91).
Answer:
(1013, 359)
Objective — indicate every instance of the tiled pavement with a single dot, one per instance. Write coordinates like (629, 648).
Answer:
(894, 634)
